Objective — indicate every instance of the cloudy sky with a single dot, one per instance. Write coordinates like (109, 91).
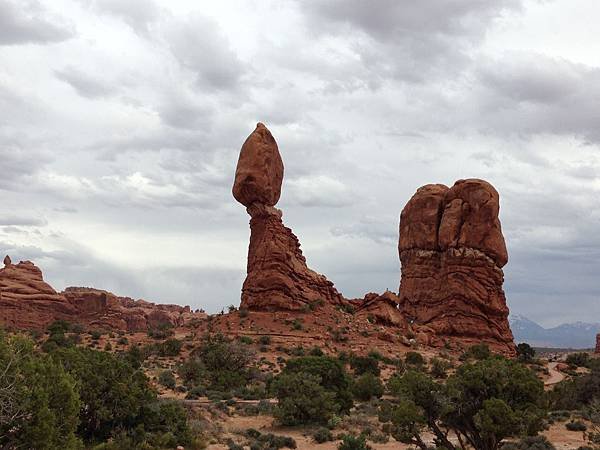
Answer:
(121, 122)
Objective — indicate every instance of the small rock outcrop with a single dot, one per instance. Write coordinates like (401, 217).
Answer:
(452, 252)
(28, 302)
(7, 261)
(381, 309)
(597, 349)
(278, 277)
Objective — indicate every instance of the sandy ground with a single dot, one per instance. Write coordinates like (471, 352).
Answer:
(557, 434)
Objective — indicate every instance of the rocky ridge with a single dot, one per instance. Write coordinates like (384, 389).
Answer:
(27, 301)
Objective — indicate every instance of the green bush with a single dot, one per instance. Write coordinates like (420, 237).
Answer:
(478, 352)
(333, 376)
(322, 434)
(350, 442)
(529, 443)
(171, 347)
(576, 425)
(220, 363)
(483, 402)
(39, 403)
(439, 367)
(161, 331)
(95, 334)
(367, 386)
(302, 399)
(414, 359)
(364, 364)
(167, 379)
(525, 353)
(246, 340)
(316, 351)
(580, 359)
(269, 441)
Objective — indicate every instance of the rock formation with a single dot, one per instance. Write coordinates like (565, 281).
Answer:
(278, 277)
(597, 349)
(452, 252)
(381, 309)
(27, 301)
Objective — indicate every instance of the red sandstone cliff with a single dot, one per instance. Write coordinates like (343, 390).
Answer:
(27, 301)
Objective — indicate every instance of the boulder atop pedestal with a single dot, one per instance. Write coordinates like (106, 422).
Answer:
(259, 171)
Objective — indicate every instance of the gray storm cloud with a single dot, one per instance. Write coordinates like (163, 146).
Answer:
(121, 122)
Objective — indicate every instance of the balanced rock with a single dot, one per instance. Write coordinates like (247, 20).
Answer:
(259, 171)
(278, 276)
(452, 252)
(7, 261)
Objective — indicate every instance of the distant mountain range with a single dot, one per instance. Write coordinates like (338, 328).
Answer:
(567, 335)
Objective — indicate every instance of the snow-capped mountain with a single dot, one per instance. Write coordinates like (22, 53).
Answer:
(567, 335)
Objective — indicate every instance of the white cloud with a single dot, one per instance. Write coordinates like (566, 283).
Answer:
(118, 143)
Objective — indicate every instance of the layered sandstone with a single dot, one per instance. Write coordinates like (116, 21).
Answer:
(278, 277)
(381, 309)
(452, 252)
(27, 301)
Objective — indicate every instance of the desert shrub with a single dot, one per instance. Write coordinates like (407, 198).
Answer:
(123, 341)
(195, 393)
(39, 403)
(246, 340)
(477, 352)
(134, 357)
(221, 363)
(316, 351)
(167, 379)
(529, 443)
(339, 335)
(576, 425)
(161, 331)
(333, 376)
(297, 324)
(350, 442)
(367, 386)
(171, 347)
(57, 338)
(269, 441)
(577, 392)
(364, 364)
(107, 347)
(95, 334)
(525, 353)
(302, 399)
(118, 397)
(264, 340)
(580, 359)
(414, 359)
(439, 367)
(297, 351)
(322, 434)
(483, 402)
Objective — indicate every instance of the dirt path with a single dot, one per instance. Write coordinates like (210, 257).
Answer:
(555, 375)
